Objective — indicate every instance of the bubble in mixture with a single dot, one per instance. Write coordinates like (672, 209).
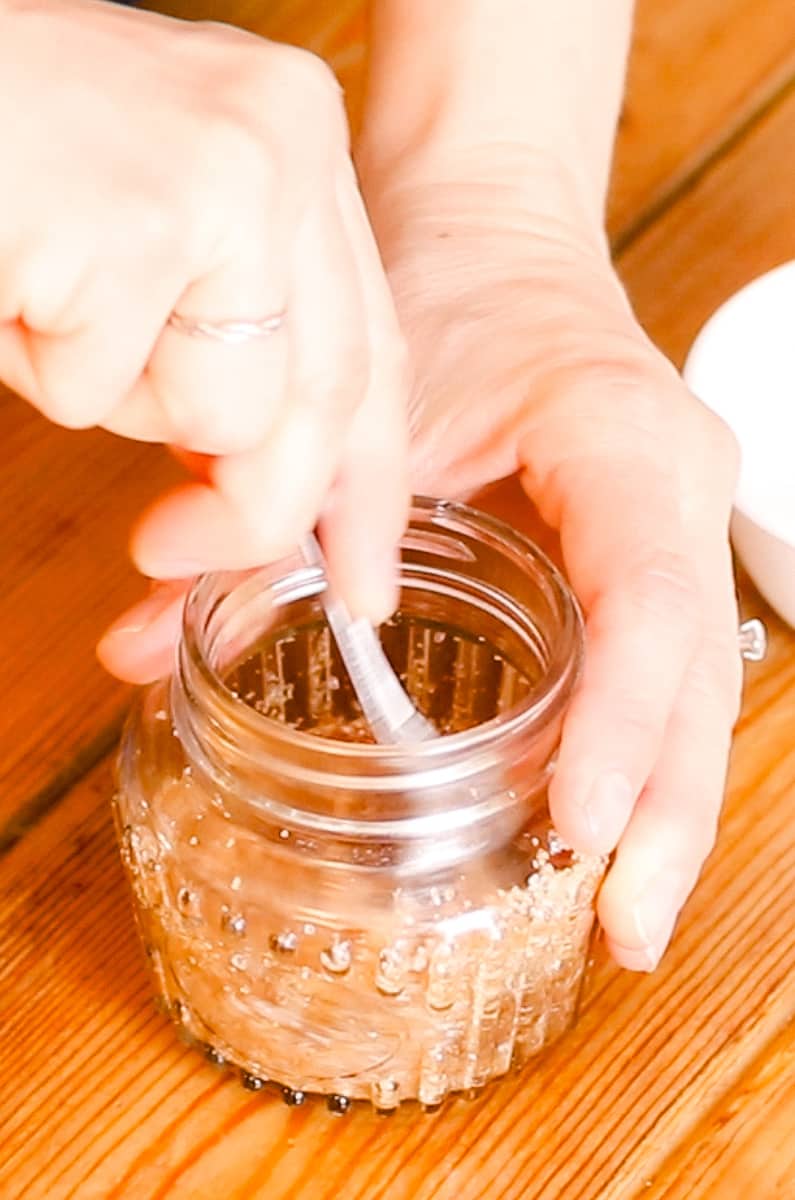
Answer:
(337, 957)
(419, 960)
(188, 902)
(285, 942)
(234, 923)
(442, 982)
(389, 973)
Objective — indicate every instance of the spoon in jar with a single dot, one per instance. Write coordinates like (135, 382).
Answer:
(386, 706)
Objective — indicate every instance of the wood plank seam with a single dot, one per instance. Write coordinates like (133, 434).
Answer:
(682, 186)
(51, 795)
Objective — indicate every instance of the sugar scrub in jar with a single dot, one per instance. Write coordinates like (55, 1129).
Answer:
(361, 921)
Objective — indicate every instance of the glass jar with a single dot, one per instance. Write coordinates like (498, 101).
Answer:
(338, 917)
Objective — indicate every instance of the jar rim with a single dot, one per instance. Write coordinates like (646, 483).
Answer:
(545, 697)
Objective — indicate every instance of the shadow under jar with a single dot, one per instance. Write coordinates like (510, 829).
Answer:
(362, 921)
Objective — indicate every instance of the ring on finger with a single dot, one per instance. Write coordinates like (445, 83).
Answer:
(231, 333)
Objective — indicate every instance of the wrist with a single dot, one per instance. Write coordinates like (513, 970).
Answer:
(435, 137)
(481, 189)
(521, 80)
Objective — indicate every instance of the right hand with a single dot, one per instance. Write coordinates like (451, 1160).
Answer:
(155, 166)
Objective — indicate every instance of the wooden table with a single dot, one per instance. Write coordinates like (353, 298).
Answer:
(680, 1086)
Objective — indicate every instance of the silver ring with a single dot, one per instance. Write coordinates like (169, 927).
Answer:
(752, 638)
(231, 333)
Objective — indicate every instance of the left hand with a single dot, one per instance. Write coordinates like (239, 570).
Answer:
(528, 359)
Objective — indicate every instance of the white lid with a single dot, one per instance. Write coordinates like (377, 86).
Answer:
(742, 366)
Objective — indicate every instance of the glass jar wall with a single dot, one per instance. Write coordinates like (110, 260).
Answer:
(336, 917)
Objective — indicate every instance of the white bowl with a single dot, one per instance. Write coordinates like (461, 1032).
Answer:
(742, 366)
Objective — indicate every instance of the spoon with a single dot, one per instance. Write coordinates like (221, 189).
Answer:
(389, 712)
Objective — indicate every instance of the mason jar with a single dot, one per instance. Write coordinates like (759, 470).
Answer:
(332, 916)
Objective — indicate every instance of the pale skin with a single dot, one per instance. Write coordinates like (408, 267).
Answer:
(483, 162)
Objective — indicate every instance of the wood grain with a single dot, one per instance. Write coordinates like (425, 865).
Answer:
(66, 503)
(746, 1147)
(699, 72)
(101, 1100)
(737, 223)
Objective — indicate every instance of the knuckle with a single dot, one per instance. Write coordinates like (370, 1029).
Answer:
(247, 150)
(615, 363)
(157, 226)
(343, 390)
(352, 366)
(197, 422)
(312, 73)
(392, 356)
(641, 723)
(318, 95)
(702, 836)
(63, 400)
(269, 109)
(715, 677)
(687, 839)
(61, 409)
(721, 443)
(665, 586)
(212, 431)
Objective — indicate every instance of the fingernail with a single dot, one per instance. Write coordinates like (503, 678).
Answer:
(655, 910)
(646, 959)
(608, 809)
(171, 568)
(653, 913)
(138, 618)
